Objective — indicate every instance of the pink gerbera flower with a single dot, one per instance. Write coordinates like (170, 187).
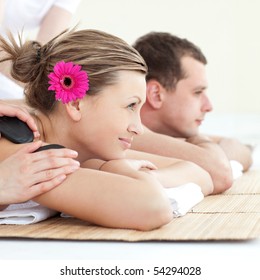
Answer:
(68, 81)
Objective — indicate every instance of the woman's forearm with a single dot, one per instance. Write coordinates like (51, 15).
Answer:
(173, 172)
(183, 172)
(111, 200)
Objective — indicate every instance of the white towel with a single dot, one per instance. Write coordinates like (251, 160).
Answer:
(25, 213)
(237, 169)
(184, 197)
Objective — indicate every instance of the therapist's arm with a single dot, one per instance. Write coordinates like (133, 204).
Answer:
(54, 22)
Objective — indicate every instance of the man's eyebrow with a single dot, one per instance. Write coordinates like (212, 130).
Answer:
(200, 87)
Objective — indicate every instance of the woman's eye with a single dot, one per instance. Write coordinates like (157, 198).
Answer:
(132, 106)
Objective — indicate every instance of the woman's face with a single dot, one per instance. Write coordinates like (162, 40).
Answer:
(112, 119)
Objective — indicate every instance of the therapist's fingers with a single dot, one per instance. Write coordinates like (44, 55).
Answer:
(26, 174)
(48, 185)
(48, 179)
(21, 113)
(45, 165)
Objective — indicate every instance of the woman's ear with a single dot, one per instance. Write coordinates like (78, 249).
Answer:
(154, 94)
(74, 110)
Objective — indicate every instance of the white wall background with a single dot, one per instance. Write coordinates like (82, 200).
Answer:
(227, 31)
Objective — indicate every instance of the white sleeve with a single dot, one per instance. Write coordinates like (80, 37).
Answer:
(28, 14)
(69, 5)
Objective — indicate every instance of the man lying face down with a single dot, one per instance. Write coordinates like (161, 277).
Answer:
(176, 105)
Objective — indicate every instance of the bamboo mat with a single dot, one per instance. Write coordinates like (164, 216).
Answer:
(233, 215)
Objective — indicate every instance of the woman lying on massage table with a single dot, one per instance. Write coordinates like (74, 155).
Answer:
(86, 88)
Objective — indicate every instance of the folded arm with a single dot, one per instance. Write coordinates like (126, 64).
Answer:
(134, 200)
(235, 150)
(206, 154)
(172, 172)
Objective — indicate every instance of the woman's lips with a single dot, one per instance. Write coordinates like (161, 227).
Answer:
(126, 143)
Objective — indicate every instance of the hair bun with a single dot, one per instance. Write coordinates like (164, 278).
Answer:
(26, 64)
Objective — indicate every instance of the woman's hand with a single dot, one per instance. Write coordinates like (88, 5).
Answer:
(140, 165)
(127, 167)
(25, 174)
(119, 166)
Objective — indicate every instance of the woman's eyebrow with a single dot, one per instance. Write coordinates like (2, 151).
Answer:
(137, 97)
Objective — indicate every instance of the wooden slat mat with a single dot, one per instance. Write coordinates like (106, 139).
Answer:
(234, 215)
(229, 204)
(193, 226)
(249, 183)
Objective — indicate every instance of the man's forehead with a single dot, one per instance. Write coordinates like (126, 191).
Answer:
(194, 82)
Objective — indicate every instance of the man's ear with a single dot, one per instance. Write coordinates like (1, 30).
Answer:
(74, 110)
(154, 94)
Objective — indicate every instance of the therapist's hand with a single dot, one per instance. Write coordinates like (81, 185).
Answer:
(10, 110)
(25, 174)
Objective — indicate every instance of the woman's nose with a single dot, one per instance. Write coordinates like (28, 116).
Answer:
(136, 127)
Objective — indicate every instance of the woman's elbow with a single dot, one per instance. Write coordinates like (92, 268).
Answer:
(156, 218)
(201, 178)
(224, 185)
(156, 212)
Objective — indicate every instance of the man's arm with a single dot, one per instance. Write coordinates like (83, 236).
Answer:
(235, 150)
(203, 152)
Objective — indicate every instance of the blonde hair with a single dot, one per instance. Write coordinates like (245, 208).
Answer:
(99, 53)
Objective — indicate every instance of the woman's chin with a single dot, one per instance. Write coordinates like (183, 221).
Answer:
(121, 155)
